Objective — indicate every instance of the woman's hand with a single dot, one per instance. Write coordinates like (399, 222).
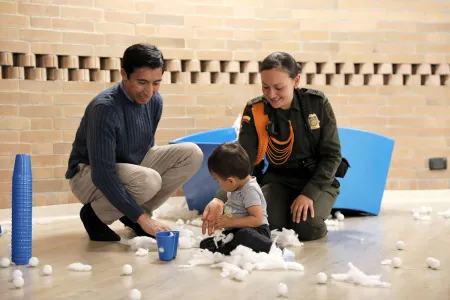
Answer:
(212, 213)
(301, 204)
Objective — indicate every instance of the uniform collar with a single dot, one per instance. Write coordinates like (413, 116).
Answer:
(296, 101)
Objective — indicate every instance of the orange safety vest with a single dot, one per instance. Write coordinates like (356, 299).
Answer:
(266, 143)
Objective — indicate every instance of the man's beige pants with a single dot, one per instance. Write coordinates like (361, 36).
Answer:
(162, 172)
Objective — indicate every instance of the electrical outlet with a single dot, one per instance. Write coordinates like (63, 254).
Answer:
(437, 163)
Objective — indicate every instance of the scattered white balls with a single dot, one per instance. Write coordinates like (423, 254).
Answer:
(47, 270)
(16, 273)
(33, 262)
(282, 289)
(5, 262)
(400, 245)
(340, 217)
(134, 294)
(396, 262)
(433, 263)
(127, 269)
(321, 278)
(18, 282)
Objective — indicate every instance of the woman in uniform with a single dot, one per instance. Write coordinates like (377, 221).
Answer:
(291, 134)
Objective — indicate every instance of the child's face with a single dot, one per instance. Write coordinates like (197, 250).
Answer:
(227, 184)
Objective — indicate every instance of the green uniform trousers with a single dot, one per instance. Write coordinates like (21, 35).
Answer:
(279, 197)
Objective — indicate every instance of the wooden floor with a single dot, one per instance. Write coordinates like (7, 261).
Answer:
(64, 241)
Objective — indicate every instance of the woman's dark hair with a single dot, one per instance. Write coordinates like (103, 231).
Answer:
(229, 160)
(142, 55)
(283, 61)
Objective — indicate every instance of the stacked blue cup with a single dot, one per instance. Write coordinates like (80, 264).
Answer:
(22, 203)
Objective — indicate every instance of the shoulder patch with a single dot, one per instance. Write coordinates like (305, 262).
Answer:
(255, 100)
(315, 92)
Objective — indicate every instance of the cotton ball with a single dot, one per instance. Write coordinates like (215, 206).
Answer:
(282, 289)
(134, 294)
(127, 269)
(428, 261)
(416, 216)
(337, 213)
(33, 262)
(400, 245)
(434, 264)
(16, 274)
(5, 262)
(396, 262)
(340, 217)
(161, 249)
(47, 270)
(321, 278)
(247, 266)
(18, 282)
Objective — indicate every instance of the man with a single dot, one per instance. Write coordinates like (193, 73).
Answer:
(114, 168)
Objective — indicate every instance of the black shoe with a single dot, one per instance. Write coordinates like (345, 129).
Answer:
(135, 226)
(96, 229)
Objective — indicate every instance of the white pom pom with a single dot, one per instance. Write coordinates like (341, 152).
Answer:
(428, 261)
(5, 262)
(282, 289)
(127, 269)
(33, 262)
(396, 262)
(321, 278)
(340, 217)
(18, 282)
(400, 245)
(47, 270)
(434, 263)
(16, 274)
(416, 216)
(247, 266)
(161, 249)
(134, 294)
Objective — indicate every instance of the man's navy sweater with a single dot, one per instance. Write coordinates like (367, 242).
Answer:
(114, 129)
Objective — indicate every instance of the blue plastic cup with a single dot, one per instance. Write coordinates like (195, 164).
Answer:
(165, 241)
(175, 247)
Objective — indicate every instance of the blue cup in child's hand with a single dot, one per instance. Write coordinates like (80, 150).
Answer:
(165, 241)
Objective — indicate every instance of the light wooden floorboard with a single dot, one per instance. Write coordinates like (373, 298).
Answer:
(64, 241)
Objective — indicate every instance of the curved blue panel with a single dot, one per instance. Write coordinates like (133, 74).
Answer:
(369, 155)
(200, 189)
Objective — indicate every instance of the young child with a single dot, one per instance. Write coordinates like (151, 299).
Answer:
(245, 217)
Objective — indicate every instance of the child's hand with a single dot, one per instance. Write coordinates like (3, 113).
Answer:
(224, 222)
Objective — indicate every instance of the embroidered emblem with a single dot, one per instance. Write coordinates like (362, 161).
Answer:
(246, 119)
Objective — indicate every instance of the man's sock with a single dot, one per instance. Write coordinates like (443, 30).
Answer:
(135, 226)
(96, 229)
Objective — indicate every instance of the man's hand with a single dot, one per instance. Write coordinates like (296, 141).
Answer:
(151, 226)
(301, 204)
(212, 213)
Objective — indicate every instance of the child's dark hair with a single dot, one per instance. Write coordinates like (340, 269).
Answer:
(229, 160)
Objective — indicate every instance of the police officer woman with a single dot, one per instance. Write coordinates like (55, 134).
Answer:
(293, 132)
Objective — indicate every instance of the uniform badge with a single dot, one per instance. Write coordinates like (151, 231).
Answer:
(314, 122)
(246, 119)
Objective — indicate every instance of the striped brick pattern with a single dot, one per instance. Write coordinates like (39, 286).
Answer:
(49, 67)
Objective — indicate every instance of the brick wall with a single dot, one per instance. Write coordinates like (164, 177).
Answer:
(384, 65)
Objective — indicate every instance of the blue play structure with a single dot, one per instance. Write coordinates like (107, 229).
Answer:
(369, 155)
